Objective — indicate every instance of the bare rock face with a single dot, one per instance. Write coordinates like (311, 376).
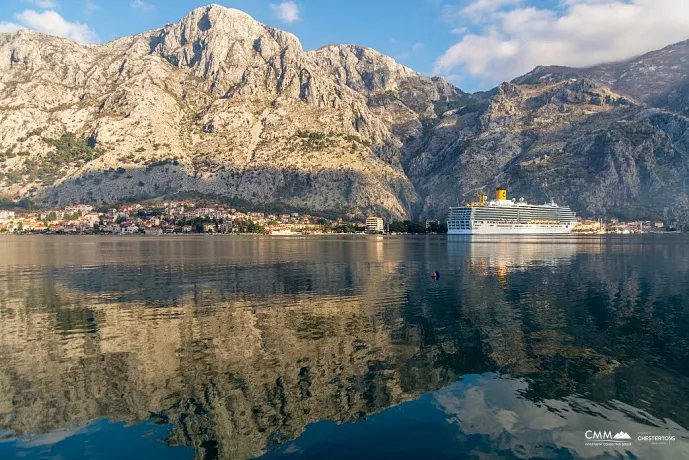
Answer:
(219, 104)
(571, 141)
(237, 55)
(400, 96)
(363, 69)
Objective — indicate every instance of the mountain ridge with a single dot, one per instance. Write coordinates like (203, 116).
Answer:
(224, 105)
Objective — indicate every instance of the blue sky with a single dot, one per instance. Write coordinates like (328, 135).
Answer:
(474, 43)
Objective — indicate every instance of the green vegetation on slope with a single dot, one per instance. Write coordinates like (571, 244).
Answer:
(70, 150)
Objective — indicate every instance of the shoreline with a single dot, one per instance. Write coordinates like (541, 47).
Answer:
(365, 235)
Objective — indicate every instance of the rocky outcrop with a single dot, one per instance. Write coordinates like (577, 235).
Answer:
(399, 96)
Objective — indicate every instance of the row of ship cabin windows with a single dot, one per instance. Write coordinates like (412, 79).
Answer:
(465, 225)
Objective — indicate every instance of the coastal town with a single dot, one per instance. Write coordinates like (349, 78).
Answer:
(166, 218)
(187, 217)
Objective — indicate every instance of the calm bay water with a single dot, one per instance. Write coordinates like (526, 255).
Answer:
(343, 347)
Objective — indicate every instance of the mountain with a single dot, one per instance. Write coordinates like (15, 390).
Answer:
(220, 104)
(572, 141)
(216, 104)
(659, 78)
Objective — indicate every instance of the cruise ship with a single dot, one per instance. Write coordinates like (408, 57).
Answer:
(509, 217)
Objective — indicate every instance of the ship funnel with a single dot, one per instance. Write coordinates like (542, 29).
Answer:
(501, 193)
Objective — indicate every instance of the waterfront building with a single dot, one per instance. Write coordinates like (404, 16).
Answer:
(374, 225)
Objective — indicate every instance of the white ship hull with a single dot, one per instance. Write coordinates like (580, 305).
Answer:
(510, 217)
(514, 229)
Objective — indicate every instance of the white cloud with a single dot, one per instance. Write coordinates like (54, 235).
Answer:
(578, 2)
(286, 11)
(9, 27)
(496, 409)
(515, 39)
(91, 6)
(45, 4)
(50, 22)
(479, 7)
(141, 5)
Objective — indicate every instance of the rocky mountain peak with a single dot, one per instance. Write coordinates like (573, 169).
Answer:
(214, 10)
(227, 47)
(26, 54)
(659, 78)
(19, 33)
(394, 90)
(216, 21)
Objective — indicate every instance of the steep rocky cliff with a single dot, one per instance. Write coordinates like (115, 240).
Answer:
(573, 141)
(217, 103)
(221, 104)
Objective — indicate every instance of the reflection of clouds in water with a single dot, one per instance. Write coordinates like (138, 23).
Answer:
(56, 436)
(292, 449)
(492, 406)
(100, 438)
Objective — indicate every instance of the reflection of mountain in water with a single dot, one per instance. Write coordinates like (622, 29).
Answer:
(240, 343)
(485, 416)
(492, 407)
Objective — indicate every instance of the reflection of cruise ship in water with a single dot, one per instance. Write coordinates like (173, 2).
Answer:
(501, 256)
(503, 216)
(519, 253)
(485, 254)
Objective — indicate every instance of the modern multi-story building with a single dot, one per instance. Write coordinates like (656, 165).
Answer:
(374, 225)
